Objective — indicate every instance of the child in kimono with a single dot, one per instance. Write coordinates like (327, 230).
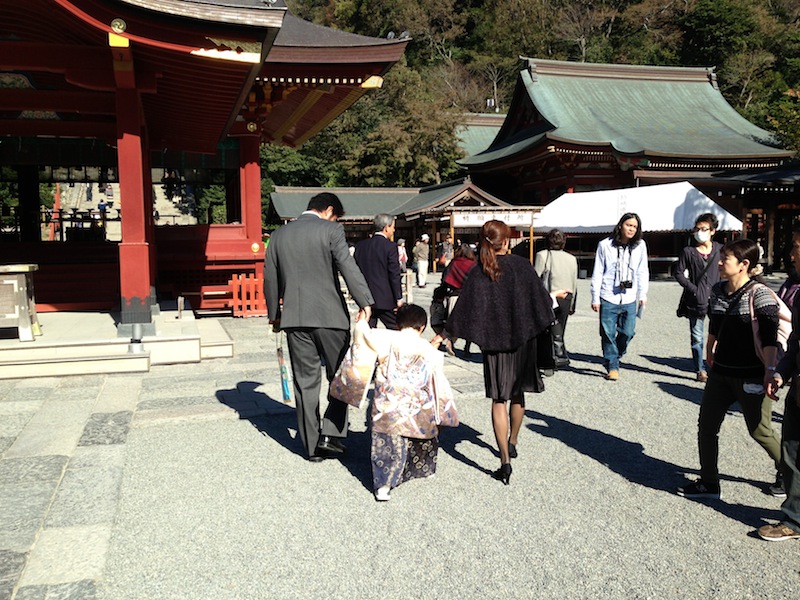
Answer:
(412, 398)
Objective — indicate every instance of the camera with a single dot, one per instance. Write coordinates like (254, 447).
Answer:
(626, 285)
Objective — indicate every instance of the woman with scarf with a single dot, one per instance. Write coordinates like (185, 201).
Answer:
(503, 306)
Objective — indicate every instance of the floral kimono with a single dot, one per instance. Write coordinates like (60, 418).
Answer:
(412, 398)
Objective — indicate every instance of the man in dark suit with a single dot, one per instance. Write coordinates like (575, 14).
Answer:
(377, 257)
(304, 298)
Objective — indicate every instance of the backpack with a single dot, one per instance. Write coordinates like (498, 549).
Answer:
(784, 327)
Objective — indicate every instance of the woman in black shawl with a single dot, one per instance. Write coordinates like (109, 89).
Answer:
(502, 307)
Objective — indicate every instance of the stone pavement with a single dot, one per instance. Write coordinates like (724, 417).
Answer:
(188, 482)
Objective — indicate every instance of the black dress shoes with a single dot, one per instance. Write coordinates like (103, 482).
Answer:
(331, 444)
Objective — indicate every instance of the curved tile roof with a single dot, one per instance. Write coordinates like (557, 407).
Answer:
(636, 110)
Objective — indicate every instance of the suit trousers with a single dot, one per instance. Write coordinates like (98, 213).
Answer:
(309, 348)
(387, 316)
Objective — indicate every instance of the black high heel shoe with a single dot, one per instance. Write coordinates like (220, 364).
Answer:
(503, 473)
(512, 450)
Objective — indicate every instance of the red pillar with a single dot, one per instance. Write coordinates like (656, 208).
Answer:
(150, 232)
(134, 249)
(250, 176)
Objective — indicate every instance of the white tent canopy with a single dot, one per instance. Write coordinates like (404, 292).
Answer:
(668, 207)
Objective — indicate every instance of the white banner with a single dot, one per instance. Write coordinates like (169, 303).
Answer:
(478, 218)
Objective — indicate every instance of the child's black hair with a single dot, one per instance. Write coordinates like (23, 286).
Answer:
(439, 293)
(411, 315)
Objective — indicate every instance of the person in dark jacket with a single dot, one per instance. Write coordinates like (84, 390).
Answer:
(503, 306)
(378, 259)
(697, 272)
(454, 276)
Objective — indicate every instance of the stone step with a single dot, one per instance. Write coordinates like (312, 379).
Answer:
(77, 365)
(214, 340)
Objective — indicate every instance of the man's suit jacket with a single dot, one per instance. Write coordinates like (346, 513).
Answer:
(302, 266)
(377, 257)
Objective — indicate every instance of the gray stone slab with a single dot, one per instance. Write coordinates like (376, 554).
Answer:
(5, 443)
(106, 428)
(11, 565)
(23, 507)
(98, 456)
(6, 589)
(55, 429)
(183, 381)
(82, 381)
(86, 496)
(77, 393)
(85, 589)
(67, 554)
(27, 394)
(12, 407)
(119, 394)
(248, 358)
(39, 382)
(160, 403)
(32, 469)
(12, 425)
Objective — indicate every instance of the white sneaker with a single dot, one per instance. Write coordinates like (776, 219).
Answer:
(382, 494)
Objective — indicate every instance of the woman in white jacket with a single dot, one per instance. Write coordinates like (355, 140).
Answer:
(620, 280)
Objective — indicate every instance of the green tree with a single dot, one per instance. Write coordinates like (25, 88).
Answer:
(211, 206)
(716, 30)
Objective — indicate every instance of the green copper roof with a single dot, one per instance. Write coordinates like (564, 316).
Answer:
(458, 192)
(358, 203)
(478, 131)
(364, 203)
(636, 110)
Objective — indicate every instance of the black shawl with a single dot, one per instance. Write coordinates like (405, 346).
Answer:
(502, 315)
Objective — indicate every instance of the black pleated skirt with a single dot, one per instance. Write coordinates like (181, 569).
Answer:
(508, 374)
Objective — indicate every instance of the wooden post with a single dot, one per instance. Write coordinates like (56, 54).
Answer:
(530, 233)
(134, 250)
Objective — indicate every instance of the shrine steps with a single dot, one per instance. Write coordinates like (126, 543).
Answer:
(87, 343)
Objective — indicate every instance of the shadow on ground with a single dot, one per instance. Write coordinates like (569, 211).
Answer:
(275, 419)
(628, 460)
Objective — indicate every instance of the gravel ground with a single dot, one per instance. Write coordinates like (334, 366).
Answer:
(221, 504)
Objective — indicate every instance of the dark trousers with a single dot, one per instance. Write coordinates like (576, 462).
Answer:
(387, 316)
(309, 347)
(557, 330)
(790, 455)
(720, 393)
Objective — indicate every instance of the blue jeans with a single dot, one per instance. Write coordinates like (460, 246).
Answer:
(696, 337)
(617, 327)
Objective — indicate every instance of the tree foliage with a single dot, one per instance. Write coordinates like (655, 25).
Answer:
(464, 56)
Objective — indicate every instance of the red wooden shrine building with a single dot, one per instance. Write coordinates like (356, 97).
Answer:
(108, 90)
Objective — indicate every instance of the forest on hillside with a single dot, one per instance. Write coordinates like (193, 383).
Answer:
(464, 57)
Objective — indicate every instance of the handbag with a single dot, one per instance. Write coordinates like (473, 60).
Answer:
(547, 274)
(446, 413)
(784, 327)
(352, 380)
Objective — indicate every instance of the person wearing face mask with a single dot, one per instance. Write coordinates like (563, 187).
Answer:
(697, 273)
